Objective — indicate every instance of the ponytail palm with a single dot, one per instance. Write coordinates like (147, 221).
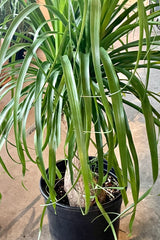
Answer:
(86, 49)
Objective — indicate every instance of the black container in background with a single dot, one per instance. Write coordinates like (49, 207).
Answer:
(69, 224)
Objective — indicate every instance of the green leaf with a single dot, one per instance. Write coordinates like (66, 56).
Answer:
(24, 185)
(117, 109)
(99, 142)
(42, 218)
(117, 34)
(20, 81)
(149, 120)
(133, 170)
(2, 3)
(78, 126)
(25, 114)
(38, 114)
(10, 33)
(120, 19)
(107, 218)
(71, 152)
(95, 14)
(5, 168)
(85, 78)
(107, 14)
(58, 14)
(143, 25)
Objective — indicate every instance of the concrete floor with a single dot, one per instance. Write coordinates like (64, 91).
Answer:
(20, 209)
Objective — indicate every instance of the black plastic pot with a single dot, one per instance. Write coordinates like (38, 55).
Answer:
(69, 224)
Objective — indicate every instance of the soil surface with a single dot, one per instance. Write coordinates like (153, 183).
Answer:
(107, 194)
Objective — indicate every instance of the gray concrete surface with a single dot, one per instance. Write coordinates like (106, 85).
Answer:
(20, 209)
